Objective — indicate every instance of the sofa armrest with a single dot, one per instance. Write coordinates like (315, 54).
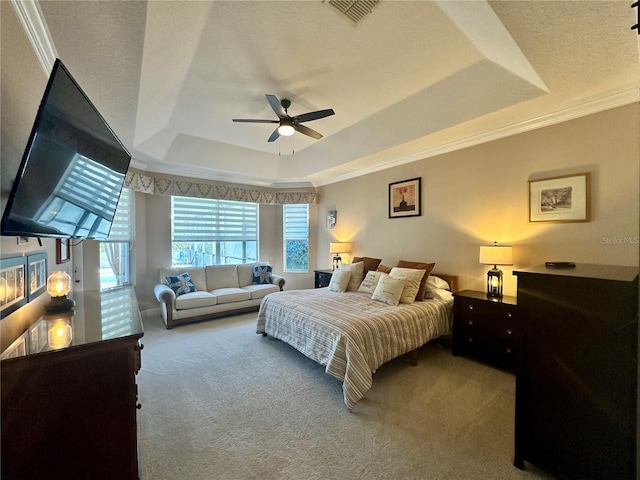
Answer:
(278, 280)
(165, 295)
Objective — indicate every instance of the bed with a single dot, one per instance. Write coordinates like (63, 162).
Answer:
(351, 334)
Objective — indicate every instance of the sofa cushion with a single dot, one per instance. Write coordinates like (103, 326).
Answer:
(221, 276)
(231, 294)
(259, 291)
(245, 272)
(262, 274)
(181, 284)
(195, 300)
(196, 274)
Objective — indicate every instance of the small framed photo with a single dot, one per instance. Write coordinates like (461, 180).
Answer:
(332, 219)
(13, 292)
(37, 274)
(63, 250)
(560, 199)
(404, 198)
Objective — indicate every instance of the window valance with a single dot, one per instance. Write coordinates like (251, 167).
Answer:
(147, 183)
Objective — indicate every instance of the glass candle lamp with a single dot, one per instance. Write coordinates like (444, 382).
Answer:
(58, 287)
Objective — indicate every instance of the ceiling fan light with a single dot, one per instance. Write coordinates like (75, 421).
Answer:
(285, 130)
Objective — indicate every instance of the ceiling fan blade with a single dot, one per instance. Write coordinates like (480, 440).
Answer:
(274, 136)
(307, 131)
(250, 120)
(275, 104)
(307, 117)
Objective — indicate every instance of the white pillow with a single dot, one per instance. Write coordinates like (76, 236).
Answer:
(388, 290)
(412, 279)
(436, 282)
(339, 281)
(433, 285)
(441, 294)
(370, 282)
(357, 271)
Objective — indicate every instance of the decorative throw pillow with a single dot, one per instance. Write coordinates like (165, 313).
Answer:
(412, 278)
(370, 282)
(356, 270)
(388, 290)
(370, 264)
(181, 284)
(427, 267)
(339, 280)
(262, 273)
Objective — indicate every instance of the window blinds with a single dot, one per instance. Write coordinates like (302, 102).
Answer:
(296, 222)
(209, 220)
(122, 228)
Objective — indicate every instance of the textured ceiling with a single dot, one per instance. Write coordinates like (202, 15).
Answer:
(410, 80)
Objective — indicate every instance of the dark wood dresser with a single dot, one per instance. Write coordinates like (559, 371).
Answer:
(322, 278)
(577, 370)
(69, 394)
(485, 327)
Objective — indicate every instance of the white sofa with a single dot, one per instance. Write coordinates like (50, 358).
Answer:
(219, 290)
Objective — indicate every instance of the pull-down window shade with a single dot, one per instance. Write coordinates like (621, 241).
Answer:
(208, 220)
(121, 228)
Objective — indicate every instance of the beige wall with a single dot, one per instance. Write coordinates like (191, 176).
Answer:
(480, 194)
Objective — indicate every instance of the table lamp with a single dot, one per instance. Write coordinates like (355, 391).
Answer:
(58, 287)
(495, 255)
(337, 248)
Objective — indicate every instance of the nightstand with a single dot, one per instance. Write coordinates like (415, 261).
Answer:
(485, 327)
(323, 277)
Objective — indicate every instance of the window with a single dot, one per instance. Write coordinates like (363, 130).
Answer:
(213, 232)
(115, 258)
(296, 238)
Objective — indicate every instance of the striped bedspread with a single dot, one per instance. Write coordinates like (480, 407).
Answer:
(349, 333)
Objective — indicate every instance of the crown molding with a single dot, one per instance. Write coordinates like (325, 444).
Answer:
(601, 104)
(35, 27)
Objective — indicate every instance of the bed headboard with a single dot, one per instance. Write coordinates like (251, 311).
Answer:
(452, 280)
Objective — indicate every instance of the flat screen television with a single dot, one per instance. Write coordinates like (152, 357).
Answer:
(72, 170)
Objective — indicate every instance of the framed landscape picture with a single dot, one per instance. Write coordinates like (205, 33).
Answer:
(560, 199)
(404, 198)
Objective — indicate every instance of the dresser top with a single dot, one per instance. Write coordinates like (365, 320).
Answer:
(585, 270)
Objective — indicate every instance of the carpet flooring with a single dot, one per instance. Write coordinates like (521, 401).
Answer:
(221, 402)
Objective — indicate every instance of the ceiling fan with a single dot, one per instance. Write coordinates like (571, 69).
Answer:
(289, 125)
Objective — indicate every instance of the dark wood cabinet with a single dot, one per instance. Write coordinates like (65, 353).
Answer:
(69, 395)
(576, 375)
(485, 327)
(322, 278)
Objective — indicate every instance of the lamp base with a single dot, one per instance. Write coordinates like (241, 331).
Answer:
(494, 282)
(337, 261)
(59, 304)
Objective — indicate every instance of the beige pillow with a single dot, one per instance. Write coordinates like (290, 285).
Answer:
(388, 290)
(339, 281)
(357, 270)
(412, 280)
(370, 282)
(428, 267)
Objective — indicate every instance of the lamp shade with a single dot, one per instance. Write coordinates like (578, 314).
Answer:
(59, 284)
(496, 255)
(339, 247)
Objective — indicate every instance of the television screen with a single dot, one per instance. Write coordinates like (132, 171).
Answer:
(72, 171)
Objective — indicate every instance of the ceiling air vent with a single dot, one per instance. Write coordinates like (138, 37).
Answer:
(354, 10)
